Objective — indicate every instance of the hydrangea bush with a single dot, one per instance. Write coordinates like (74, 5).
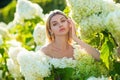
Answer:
(36, 65)
(98, 21)
(94, 16)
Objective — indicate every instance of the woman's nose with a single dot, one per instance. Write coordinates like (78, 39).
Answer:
(60, 24)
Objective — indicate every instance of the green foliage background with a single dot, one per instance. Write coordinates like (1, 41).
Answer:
(47, 5)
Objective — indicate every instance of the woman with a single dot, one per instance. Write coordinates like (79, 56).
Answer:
(60, 32)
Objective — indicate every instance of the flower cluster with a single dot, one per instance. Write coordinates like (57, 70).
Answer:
(14, 43)
(4, 32)
(87, 66)
(36, 65)
(83, 9)
(12, 62)
(113, 24)
(27, 10)
(63, 63)
(39, 34)
(2, 24)
(99, 78)
(1, 40)
(78, 51)
(95, 16)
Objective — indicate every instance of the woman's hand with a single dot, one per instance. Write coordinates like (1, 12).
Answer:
(72, 29)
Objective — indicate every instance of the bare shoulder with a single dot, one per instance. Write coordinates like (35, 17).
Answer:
(46, 49)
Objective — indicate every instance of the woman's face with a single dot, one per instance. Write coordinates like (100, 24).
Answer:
(59, 25)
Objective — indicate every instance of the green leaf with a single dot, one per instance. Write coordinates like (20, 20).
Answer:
(117, 67)
(105, 53)
(65, 74)
(2, 51)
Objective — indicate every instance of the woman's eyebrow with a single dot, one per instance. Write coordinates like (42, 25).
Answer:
(53, 21)
(62, 18)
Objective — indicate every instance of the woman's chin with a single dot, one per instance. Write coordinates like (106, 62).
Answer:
(62, 34)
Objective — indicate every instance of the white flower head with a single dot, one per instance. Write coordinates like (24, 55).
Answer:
(13, 53)
(2, 24)
(4, 32)
(14, 69)
(14, 43)
(11, 25)
(1, 40)
(27, 10)
(39, 34)
(90, 15)
(90, 25)
(99, 78)
(63, 62)
(37, 65)
(109, 1)
(78, 52)
(113, 24)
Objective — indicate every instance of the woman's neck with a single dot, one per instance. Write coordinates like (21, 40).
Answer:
(61, 43)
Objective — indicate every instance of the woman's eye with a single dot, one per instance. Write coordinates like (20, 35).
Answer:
(54, 24)
(63, 20)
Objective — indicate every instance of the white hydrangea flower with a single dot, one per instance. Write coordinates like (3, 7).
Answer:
(37, 65)
(78, 52)
(113, 24)
(90, 15)
(80, 55)
(11, 25)
(109, 0)
(27, 10)
(84, 8)
(4, 32)
(13, 53)
(39, 34)
(14, 69)
(99, 78)
(14, 43)
(92, 24)
(2, 24)
(38, 47)
(63, 62)
(1, 40)
(29, 77)
(39, 11)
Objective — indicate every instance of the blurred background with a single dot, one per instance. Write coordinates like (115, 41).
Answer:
(7, 7)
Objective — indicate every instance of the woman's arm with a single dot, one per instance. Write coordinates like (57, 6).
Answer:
(88, 48)
(95, 53)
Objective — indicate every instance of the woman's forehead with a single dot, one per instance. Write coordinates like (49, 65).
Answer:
(57, 17)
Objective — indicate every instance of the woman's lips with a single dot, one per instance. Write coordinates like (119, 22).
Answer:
(62, 29)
